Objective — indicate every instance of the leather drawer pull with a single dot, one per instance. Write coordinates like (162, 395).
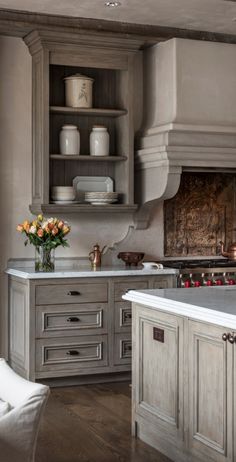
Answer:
(73, 292)
(72, 353)
(73, 319)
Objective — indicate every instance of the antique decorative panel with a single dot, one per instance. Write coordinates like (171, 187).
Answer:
(200, 215)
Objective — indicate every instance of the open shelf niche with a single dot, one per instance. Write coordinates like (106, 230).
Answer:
(110, 64)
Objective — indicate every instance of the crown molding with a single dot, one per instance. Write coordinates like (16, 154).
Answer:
(19, 24)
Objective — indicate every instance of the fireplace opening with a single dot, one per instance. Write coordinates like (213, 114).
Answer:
(201, 214)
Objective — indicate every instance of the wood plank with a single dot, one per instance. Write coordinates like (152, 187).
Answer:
(88, 158)
(79, 426)
(88, 111)
(19, 23)
(84, 208)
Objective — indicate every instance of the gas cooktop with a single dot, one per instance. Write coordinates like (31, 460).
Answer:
(201, 263)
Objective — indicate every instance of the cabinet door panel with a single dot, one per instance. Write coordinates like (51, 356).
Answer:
(158, 364)
(210, 392)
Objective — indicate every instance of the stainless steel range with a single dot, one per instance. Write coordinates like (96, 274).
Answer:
(199, 273)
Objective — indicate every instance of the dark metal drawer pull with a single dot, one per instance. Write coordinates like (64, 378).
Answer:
(128, 315)
(128, 347)
(73, 292)
(72, 353)
(73, 319)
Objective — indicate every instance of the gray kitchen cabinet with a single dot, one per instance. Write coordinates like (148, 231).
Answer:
(111, 64)
(73, 327)
(184, 394)
(211, 393)
(158, 375)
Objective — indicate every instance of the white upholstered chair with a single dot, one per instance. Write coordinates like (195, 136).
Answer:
(21, 407)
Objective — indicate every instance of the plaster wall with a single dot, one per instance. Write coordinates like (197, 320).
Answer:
(15, 183)
(191, 82)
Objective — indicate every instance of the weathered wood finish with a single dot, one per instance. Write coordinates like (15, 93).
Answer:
(184, 394)
(20, 24)
(210, 393)
(90, 322)
(91, 424)
(67, 320)
(111, 65)
(56, 354)
(78, 292)
(158, 370)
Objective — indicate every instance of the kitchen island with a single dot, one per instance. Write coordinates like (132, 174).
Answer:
(184, 372)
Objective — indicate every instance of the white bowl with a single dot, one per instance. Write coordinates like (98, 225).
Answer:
(62, 188)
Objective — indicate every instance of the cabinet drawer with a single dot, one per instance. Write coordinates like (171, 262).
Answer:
(71, 354)
(123, 349)
(123, 317)
(122, 287)
(71, 293)
(63, 320)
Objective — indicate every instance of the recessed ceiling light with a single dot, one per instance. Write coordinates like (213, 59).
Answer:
(113, 4)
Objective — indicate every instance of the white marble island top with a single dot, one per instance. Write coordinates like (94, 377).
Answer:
(84, 271)
(216, 305)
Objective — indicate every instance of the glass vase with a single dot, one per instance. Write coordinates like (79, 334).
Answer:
(44, 259)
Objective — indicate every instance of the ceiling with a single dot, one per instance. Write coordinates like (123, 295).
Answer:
(205, 15)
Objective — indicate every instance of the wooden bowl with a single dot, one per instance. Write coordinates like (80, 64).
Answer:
(131, 258)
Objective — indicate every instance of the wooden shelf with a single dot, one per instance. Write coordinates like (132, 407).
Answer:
(83, 208)
(88, 158)
(88, 111)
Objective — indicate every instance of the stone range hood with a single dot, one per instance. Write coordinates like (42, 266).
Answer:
(189, 117)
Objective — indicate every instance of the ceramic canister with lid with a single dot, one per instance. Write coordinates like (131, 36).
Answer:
(78, 90)
(69, 140)
(99, 141)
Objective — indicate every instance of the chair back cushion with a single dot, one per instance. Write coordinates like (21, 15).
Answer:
(4, 408)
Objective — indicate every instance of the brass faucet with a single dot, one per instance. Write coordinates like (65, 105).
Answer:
(95, 256)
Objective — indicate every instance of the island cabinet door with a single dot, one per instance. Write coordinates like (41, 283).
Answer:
(158, 377)
(210, 394)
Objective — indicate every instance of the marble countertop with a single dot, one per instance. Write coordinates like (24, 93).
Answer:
(216, 305)
(84, 271)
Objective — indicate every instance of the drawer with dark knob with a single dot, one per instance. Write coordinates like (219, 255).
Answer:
(58, 354)
(123, 349)
(122, 287)
(63, 320)
(123, 317)
(71, 293)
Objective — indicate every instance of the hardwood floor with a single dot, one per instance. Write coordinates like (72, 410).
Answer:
(91, 424)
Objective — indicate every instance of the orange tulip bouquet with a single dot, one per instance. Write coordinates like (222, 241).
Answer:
(46, 235)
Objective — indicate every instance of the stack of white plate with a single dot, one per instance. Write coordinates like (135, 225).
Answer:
(101, 198)
(63, 194)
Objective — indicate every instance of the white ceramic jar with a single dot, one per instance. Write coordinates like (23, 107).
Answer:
(99, 141)
(69, 140)
(79, 91)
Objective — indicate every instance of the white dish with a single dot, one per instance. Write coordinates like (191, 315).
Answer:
(84, 184)
(151, 264)
(63, 202)
(101, 194)
(101, 203)
(98, 201)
